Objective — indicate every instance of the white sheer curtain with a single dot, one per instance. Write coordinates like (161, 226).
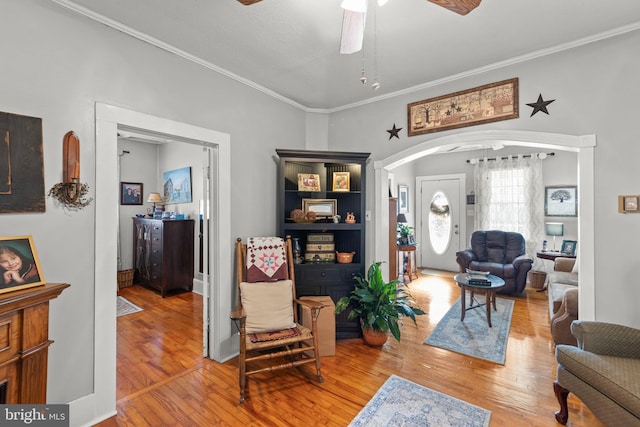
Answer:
(510, 197)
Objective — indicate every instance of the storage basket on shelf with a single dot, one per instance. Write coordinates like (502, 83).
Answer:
(125, 278)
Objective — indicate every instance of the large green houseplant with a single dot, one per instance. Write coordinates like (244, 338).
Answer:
(379, 304)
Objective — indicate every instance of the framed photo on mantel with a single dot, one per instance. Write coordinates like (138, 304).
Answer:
(19, 264)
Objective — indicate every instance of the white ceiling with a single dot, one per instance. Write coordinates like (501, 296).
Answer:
(289, 48)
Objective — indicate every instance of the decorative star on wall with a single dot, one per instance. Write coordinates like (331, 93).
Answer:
(394, 132)
(540, 105)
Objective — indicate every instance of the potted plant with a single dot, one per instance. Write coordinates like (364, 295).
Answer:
(405, 231)
(379, 305)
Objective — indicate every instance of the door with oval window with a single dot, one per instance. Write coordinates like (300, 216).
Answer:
(441, 233)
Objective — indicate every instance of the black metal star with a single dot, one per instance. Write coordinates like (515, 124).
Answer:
(394, 132)
(540, 105)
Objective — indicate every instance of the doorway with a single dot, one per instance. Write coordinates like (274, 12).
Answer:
(440, 222)
(108, 120)
(583, 145)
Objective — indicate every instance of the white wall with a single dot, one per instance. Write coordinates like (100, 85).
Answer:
(59, 77)
(594, 94)
(140, 164)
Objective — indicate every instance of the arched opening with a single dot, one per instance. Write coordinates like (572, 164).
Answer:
(583, 145)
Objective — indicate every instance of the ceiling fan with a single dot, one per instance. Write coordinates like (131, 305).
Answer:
(355, 15)
(461, 7)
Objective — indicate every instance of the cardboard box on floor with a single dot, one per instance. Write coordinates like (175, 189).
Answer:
(326, 324)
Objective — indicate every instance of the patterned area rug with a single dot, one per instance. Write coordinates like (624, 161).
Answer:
(474, 337)
(126, 307)
(400, 402)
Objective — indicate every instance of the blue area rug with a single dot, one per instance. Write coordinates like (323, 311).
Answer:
(400, 402)
(474, 337)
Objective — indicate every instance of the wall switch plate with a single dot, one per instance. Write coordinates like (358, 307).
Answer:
(367, 215)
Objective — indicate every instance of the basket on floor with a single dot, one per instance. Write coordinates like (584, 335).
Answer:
(125, 278)
(537, 279)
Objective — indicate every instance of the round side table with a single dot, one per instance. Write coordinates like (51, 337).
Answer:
(410, 252)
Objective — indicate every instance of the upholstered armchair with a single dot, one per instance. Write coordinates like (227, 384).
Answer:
(502, 253)
(603, 370)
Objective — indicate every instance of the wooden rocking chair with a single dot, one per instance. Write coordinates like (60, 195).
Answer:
(267, 315)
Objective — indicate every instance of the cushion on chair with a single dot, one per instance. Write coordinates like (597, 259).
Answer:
(268, 305)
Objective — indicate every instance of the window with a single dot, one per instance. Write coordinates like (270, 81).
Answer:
(439, 219)
(510, 196)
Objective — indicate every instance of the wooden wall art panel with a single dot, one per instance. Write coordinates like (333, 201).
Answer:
(21, 164)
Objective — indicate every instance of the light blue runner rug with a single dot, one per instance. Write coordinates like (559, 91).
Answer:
(400, 402)
(474, 337)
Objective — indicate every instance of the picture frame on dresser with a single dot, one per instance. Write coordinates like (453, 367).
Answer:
(568, 247)
(19, 264)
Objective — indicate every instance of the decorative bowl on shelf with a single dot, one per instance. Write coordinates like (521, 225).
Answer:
(345, 257)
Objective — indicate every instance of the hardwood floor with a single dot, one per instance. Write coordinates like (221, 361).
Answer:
(163, 380)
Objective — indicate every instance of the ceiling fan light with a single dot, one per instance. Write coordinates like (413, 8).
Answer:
(354, 5)
(352, 32)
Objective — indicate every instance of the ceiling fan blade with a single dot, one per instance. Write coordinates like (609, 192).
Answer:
(461, 7)
(352, 31)
(248, 2)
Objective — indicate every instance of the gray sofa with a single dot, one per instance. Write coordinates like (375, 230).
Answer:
(562, 291)
(603, 370)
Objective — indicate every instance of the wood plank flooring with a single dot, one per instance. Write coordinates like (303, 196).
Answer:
(162, 379)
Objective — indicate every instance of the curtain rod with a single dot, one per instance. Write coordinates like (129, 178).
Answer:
(507, 157)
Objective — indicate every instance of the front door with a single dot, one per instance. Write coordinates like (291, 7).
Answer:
(441, 231)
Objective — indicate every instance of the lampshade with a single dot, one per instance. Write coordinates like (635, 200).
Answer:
(554, 229)
(401, 218)
(154, 198)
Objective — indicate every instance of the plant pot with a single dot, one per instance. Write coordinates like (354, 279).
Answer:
(374, 338)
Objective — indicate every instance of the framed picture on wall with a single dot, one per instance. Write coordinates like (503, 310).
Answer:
(177, 185)
(130, 193)
(403, 198)
(561, 200)
(19, 264)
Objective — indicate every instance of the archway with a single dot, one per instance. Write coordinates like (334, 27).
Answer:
(583, 145)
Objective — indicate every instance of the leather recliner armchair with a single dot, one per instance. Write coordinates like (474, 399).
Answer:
(502, 253)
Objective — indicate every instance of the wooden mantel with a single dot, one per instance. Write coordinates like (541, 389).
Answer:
(24, 343)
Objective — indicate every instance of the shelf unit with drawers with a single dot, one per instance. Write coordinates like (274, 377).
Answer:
(326, 277)
(164, 253)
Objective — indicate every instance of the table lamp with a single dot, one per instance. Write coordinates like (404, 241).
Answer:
(554, 229)
(154, 198)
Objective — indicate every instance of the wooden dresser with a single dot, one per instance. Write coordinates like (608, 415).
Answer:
(163, 253)
(24, 343)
